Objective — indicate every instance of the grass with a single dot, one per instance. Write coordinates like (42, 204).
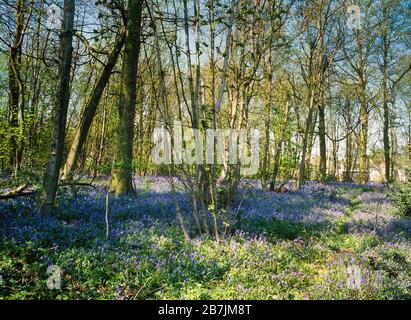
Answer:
(147, 258)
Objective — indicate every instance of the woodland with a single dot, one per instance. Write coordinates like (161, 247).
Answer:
(205, 149)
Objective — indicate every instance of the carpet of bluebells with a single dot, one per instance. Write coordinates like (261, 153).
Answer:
(334, 241)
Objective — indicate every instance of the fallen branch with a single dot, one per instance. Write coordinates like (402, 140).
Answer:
(17, 195)
(17, 190)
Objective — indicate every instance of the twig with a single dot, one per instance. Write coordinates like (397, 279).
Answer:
(77, 184)
(238, 216)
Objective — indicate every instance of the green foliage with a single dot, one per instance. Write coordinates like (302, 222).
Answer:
(143, 166)
(401, 197)
(298, 263)
(278, 229)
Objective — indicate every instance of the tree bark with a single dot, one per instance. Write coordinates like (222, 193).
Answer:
(122, 181)
(301, 175)
(386, 134)
(16, 87)
(363, 143)
(322, 136)
(347, 177)
(279, 146)
(394, 144)
(48, 194)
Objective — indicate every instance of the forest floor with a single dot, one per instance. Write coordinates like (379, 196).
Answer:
(334, 241)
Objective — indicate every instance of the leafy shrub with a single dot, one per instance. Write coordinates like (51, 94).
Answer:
(401, 196)
(277, 229)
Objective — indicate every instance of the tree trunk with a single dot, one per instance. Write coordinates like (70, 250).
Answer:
(16, 97)
(347, 177)
(279, 146)
(386, 134)
(311, 139)
(394, 142)
(91, 108)
(321, 102)
(48, 194)
(268, 106)
(101, 142)
(122, 181)
(334, 172)
(322, 137)
(301, 175)
(363, 144)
